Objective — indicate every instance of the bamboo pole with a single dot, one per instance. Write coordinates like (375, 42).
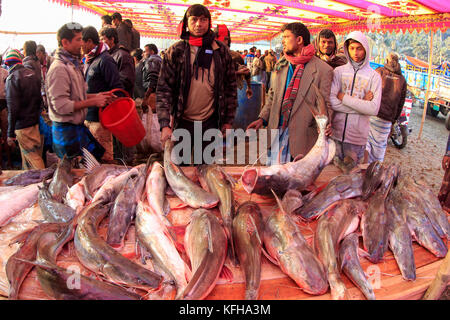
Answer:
(441, 281)
(430, 60)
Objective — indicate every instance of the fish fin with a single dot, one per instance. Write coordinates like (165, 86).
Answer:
(363, 253)
(280, 205)
(269, 257)
(228, 177)
(298, 157)
(166, 207)
(203, 183)
(21, 238)
(210, 244)
(179, 206)
(226, 274)
(35, 263)
(90, 162)
(255, 230)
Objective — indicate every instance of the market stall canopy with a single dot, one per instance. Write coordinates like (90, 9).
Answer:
(254, 20)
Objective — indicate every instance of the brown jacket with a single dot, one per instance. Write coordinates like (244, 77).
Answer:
(302, 126)
(393, 93)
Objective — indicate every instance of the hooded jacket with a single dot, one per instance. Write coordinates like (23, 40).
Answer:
(125, 64)
(351, 115)
(394, 91)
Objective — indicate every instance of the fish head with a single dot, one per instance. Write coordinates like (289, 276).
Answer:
(249, 179)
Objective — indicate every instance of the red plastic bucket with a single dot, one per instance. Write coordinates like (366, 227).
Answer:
(122, 120)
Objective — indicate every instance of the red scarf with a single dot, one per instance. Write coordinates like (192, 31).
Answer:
(96, 52)
(292, 89)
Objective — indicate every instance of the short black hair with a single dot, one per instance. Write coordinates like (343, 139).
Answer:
(68, 31)
(152, 47)
(107, 19)
(128, 21)
(110, 33)
(40, 48)
(90, 33)
(117, 16)
(327, 34)
(30, 47)
(138, 53)
(299, 30)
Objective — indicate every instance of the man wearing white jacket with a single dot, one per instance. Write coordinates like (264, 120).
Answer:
(355, 96)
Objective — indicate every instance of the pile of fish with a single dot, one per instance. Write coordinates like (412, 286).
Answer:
(387, 209)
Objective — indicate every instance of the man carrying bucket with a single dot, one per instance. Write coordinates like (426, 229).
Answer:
(102, 75)
(197, 82)
(68, 99)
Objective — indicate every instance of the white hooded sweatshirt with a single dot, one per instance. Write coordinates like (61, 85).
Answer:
(350, 122)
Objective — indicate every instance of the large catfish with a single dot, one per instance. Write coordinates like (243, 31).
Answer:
(341, 187)
(374, 222)
(299, 174)
(189, 192)
(95, 254)
(52, 210)
(62, 284)
(248, 230)
(289, 249)
(17, 270)
(155, 188)
(400, 240)
(351, 266)
(333, 226)
(152, 232)
(418, 223)
(215, 180)
(123, 211)
(62, 180)
(206, 245)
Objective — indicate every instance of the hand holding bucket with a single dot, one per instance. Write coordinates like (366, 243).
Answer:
(121, 118)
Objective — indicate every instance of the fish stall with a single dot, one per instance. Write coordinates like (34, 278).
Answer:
(160, 231)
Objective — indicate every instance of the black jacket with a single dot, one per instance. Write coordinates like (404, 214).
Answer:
(101, 75)
(139, 90)
(33, 63)
(125, 63)
(150, 72)
(23, 96)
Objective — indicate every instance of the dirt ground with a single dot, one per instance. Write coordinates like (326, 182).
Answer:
(422, 157)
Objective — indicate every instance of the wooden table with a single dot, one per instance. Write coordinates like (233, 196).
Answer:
(274, 284)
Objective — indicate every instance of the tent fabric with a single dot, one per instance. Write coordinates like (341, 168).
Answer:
(255, 20)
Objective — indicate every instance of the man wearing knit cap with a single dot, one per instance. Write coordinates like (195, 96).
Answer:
(197, 82)
(23, 96)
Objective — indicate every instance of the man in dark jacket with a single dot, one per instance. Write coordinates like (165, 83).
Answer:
(136, 36)
(31, 60)
(150, 71)
(102, 75)
(139, 62)
(125, 63)
(122, 57)
(123, 30)
(23, 96)
(392, 100)
(326, 49)
(197, 82)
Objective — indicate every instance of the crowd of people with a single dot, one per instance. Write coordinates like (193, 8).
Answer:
(53, 102)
